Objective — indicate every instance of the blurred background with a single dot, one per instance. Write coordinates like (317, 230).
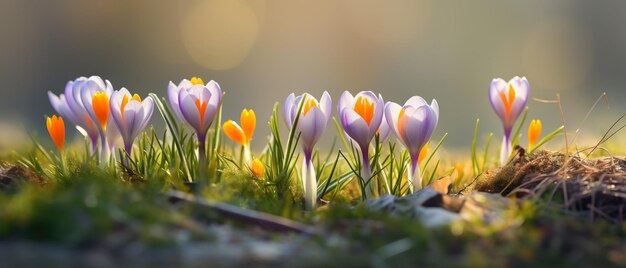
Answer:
(260, 51)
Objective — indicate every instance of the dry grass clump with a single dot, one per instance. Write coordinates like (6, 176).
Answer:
(593, 187)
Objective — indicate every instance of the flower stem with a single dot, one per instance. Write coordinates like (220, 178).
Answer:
(202, 162)
(415, 176)
(128, 148)
(309, 183)
(247, 156)
(369, 191)
(104, 148)
(505, 150)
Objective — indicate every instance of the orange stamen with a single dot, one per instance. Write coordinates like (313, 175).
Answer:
(56, 129)
(234, 132)
(201, 105)
(310, 103)
(100, 104)
(365, 109)
(197, 81)
(248, 123)
(508, 102)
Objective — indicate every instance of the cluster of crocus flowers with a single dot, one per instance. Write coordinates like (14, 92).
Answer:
(85, 104)
(197, 104)
(534, 131)
(56, 129)
(361, 117)
(131, 115)
(413, 124)
(312, 121)
(242, 134)
(508, 100)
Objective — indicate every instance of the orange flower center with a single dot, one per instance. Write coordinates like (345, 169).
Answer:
(310, 103)
(197, 81)
(124, 102)
(100, 104)
(365, 108)
(201, 105)
(508, 101)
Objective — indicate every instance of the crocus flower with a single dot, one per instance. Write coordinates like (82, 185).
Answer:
(242, 134)
(534, 131)
(361, 116)
(131, 115)
(56, 129)
(70, 105)
(257, 168)
(311, 124)
(508, 101)
(196, 104)
(97, 105)
(413, 124)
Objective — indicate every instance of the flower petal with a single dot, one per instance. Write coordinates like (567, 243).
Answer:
(326, 105)
(287, 109)
(234, 132)
(521, 87)
(311, 127)
(379, 110)
(172, 98)
(354, 125)
(415, 101)
(392, 111)
(497, 85)
(148, 109)
(420, 124)
(345, 101)
(189, 110)
(383, 130)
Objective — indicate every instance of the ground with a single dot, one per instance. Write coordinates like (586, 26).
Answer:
(543, 209)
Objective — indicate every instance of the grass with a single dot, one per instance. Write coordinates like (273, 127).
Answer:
(71, 201)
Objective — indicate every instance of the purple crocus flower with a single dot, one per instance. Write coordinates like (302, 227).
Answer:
(95, 99)
(508, 100)
(196, 104)
(361, 116)
(413, 124)
(311, 124)
(70, 105)
(131, 115)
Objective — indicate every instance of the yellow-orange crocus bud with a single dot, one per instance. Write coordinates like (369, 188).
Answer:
(257, 168)
(56, 128)
(423, 154)
(458, 168)
(241, 134)
(534, 131)
(100, 104)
